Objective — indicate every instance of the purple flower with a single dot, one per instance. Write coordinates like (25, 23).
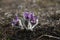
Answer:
(15, 20)
(25, 15)
(16, 17)
(33, 20)
(31, 15)
(28, 15)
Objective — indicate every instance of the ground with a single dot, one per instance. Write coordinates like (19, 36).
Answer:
(49, 19)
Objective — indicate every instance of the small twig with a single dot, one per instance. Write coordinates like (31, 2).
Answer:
(48, 36)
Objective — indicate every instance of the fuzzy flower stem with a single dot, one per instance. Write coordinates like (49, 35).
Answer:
(35, 24)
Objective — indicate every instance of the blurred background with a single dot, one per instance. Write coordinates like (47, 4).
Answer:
(47, 10)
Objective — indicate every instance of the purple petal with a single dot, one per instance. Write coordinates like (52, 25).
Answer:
(15, 20)
(26, 15)
(31, 15)
(16, 17)
(33, 20)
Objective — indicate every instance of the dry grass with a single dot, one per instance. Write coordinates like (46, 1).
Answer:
(47, 10)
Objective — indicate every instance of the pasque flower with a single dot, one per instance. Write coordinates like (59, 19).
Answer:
(33, 20)
(31, 15)
(15, 20)
(25, 15)
(28, 15)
